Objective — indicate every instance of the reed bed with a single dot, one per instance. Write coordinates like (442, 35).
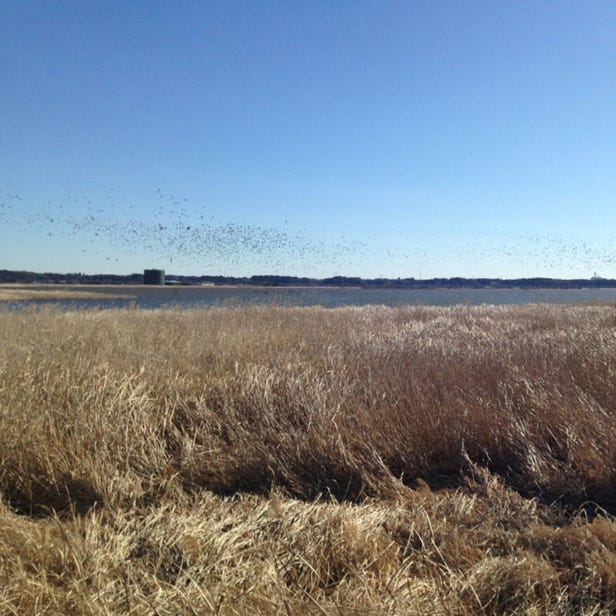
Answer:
(14, 292)
(276, 460)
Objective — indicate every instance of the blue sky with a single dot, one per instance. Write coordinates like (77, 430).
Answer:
(309, 138)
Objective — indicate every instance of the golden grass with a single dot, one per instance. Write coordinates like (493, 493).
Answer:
(271, 460)
(13, 292)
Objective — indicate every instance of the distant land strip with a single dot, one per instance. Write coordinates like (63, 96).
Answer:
(9, 293)
(596, 282)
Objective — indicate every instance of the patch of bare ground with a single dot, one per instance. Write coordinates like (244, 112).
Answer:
(308, 461)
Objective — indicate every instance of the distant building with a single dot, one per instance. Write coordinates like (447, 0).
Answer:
(154, 276)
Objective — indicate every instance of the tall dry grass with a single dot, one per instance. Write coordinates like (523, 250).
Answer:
(305, 461)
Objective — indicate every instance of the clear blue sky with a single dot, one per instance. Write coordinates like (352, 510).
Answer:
(309, 138)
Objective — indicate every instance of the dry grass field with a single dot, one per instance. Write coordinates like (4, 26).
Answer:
(270, 460)
(10, 292)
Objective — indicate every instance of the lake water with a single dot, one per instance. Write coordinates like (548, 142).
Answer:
(192, 297)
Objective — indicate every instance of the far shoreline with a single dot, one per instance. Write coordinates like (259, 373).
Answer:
(92, 282)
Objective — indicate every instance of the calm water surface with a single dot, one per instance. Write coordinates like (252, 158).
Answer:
(193, 297)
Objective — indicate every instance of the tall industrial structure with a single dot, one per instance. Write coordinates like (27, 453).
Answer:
(154, 276)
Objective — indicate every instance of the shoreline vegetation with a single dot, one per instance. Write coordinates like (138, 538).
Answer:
(12, 293)
(596, 282)
(277, 460)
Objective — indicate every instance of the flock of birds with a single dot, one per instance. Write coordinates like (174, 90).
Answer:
(178, 235)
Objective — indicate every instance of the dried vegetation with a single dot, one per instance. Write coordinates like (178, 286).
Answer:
(16, 292)
(269, 460)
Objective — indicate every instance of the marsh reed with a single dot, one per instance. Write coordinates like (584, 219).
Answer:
(276, 460)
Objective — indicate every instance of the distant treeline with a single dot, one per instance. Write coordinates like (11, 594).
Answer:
(335, 281)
